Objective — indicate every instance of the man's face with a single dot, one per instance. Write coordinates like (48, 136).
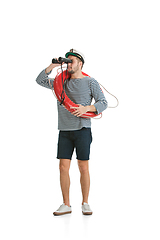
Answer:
(74, 66)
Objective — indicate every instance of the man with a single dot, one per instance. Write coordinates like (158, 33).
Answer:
(75, 132)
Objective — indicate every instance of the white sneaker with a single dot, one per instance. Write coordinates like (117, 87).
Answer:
(86, 210)
(63, 209)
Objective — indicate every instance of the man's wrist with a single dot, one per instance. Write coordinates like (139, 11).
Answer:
(90, 108)
(50, 68)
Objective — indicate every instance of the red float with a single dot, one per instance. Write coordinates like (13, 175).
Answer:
(61, 95)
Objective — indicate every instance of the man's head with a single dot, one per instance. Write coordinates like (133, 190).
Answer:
(77, 61)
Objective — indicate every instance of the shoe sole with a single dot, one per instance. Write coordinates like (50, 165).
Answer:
(59, 214)
(87, 213)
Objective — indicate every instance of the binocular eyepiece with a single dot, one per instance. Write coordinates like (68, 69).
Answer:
(61, 60)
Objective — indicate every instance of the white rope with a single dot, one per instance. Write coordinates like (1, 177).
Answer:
(111, 95)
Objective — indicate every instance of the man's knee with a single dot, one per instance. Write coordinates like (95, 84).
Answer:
(64, 165)
(83, 166)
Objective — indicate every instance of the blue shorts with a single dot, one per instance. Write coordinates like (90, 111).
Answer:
(78, 139)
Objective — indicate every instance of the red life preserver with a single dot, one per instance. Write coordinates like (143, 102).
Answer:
(67, 103)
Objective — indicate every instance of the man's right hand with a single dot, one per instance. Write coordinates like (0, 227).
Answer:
(51, 66)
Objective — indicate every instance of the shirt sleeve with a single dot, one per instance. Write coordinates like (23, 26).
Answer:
(43, 79)
(100, 100)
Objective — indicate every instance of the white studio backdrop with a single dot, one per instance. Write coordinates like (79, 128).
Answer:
(120, 40)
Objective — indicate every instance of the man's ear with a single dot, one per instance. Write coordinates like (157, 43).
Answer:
(80, 64)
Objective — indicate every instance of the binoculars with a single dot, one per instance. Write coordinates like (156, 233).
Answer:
(61, 60)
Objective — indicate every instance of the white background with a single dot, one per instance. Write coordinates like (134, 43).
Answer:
(121, 43)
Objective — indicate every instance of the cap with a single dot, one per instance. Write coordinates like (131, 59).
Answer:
(75, 53)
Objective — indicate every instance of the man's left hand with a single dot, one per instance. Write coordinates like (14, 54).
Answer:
(79, 110)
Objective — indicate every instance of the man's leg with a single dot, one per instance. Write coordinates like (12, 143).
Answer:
(84, 179)
(64, 166)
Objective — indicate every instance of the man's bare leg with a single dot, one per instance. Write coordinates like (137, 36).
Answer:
(64, 167)
(84, 179)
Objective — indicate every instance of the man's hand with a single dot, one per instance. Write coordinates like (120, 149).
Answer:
(51, 66)
(79, 111)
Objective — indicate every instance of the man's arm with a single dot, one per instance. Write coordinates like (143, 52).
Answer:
(100, 100)
(43, 79)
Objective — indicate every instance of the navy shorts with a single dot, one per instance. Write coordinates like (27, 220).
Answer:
(78, 139)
